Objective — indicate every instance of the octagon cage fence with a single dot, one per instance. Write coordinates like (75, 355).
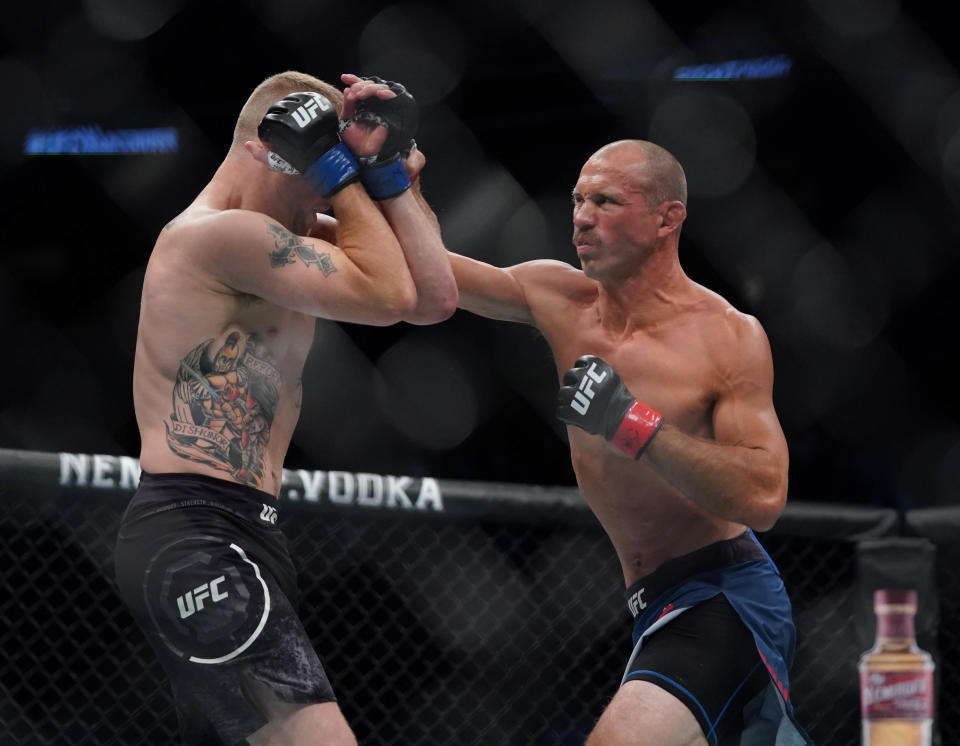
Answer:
(446, 612)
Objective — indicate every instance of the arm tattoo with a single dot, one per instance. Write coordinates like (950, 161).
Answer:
(290, 247)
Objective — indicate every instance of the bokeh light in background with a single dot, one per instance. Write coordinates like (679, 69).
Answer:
(825, 202)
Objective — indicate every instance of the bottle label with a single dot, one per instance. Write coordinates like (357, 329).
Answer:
(896, 695)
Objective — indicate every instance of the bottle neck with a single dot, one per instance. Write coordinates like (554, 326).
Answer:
(895, 627)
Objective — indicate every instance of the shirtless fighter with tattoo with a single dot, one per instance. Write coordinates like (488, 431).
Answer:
(230, 298)
(667, 393)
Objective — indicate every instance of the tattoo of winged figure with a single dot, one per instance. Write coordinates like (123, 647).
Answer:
(224, 400)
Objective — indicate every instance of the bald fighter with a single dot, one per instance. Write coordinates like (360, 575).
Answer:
(230, 299)
(667, 393)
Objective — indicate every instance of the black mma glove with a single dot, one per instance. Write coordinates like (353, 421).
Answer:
(302, 132)
(383, 175)
(594, 398)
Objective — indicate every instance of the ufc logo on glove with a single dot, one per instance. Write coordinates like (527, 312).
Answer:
(618, 417)
(585, 393)
(305, 114)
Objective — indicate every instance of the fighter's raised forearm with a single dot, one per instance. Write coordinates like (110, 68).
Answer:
(391, 177)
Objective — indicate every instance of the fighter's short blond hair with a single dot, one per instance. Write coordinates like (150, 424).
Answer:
(271, 90)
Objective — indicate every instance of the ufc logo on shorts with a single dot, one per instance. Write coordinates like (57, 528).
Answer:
(585, 393)
(268, 514)
(636, 604)
(305, 114)
(192, 601)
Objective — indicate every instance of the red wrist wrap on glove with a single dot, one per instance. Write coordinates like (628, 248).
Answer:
(636, 429)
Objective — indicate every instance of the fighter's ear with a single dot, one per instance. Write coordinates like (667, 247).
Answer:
(674, 213)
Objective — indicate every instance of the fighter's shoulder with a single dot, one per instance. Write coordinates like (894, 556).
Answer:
(205, 226)
(552, 275)
(729, 329)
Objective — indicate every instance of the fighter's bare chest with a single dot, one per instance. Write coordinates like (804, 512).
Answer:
(283, 335)
(670, 369)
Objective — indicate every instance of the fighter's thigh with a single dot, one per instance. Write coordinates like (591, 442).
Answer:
(707, 659)
(208, 598)
(643, 713)
(229, 637)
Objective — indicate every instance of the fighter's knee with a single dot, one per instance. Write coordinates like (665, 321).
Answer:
(312, 725)
(640, 707)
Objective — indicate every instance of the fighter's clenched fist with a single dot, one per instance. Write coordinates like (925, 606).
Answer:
(594, 398)
(382, 103)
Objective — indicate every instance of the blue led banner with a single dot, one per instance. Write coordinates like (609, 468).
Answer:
(761, 67)
(94, 141)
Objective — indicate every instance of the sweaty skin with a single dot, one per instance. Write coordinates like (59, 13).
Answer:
(233, 289)
(233, 424)
(230, 298)
(719, 464)
(649, 520)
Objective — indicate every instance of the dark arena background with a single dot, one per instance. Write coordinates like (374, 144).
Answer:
(454, 584)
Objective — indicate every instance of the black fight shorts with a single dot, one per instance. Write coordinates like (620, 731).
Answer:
(207, 575)
(705, 656)
(707, 659)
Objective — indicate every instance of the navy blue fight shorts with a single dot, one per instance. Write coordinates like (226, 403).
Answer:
(207, 575)
(715, 629)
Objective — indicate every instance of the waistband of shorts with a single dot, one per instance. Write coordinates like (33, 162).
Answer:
(716, 556)
(158, 493)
